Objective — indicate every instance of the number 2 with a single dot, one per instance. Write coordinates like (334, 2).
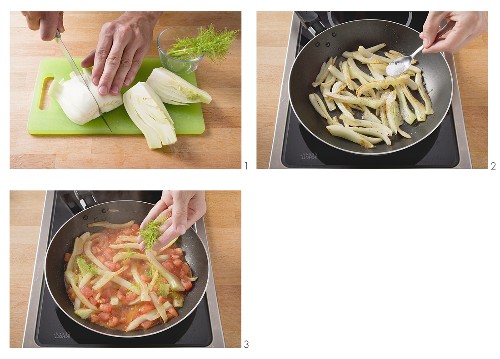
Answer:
(493, 166)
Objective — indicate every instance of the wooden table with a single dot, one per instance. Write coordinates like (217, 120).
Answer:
(273, 29)
(218, 147)
(222, 222)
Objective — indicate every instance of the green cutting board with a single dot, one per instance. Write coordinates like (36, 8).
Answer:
(52, 120)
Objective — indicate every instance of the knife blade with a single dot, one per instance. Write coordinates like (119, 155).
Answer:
(77, 71)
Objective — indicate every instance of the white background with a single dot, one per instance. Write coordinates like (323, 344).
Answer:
(335, 263)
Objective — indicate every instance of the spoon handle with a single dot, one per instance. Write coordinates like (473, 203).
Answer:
(449, 25)
(417, 51)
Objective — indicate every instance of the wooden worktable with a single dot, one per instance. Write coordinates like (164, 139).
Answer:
(222, 222)
(218, 147)
(272, 40)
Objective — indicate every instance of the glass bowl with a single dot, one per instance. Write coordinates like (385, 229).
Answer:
(165, 40)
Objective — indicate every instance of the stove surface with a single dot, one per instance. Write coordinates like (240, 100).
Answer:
(48, 326)
(295, 147)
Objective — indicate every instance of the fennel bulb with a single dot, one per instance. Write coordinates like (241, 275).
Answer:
(76, 101)
(174, 90)
(149, 114)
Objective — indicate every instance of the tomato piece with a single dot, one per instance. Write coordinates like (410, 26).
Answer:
(130, 296)
(186, 283)
(106, 307)
(93, 301)
(177, 262)
(178, 251)
(146, 308)
(146, 324)
(103, 316)
(168, 265)
(135, 228)
(108, 254)
(110, 265)
(145, 278)
(94, 317)
(86, 291)
(112, 322)
(172, 312)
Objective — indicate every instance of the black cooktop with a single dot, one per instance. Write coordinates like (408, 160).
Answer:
(56, 329)
(303, 150)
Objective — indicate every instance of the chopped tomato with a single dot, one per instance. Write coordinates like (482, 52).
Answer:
(104, 316)
(172, 312)
(130, 296)
(178, 251)
(93, 301)
(146, 308)
(67, 257)
(146, 324)
(145, 278)
(135, 228)
(168, 265)
(105, 308)
(86, 291)
(177, 262)
(113, 322)
(94, 317)
(110, 265)
(186, 283)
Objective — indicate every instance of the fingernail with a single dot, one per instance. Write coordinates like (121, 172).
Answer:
(139, 239)
(426, 43)
(181, 229)
(114, 90)
(95, 80)
(103, 90)
(127, 82)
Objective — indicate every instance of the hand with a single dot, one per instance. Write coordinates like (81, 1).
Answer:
(183, 207)
(121, 47)
(47, 21)
(468, 26)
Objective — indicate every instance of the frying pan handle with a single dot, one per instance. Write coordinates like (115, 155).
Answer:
(310, 20)
(86, 198)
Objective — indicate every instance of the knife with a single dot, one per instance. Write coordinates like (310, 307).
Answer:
(77, 71)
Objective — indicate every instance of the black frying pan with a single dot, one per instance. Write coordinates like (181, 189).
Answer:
(120, 212)
(348, 37)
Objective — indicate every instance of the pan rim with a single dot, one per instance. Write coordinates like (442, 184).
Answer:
(118, 335)
(358, 153)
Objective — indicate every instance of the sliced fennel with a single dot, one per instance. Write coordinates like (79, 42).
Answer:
(149, 114)
(174, 89)
(77, 102)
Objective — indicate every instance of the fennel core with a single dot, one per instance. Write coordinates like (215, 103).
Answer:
(151, 232)
(209, 42)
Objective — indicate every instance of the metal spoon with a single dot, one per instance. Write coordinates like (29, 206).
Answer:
(398, 66)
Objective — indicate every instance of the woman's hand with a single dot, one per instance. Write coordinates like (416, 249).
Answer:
(122, 45)
(183, 208)
(47, 21)
(468, 26)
